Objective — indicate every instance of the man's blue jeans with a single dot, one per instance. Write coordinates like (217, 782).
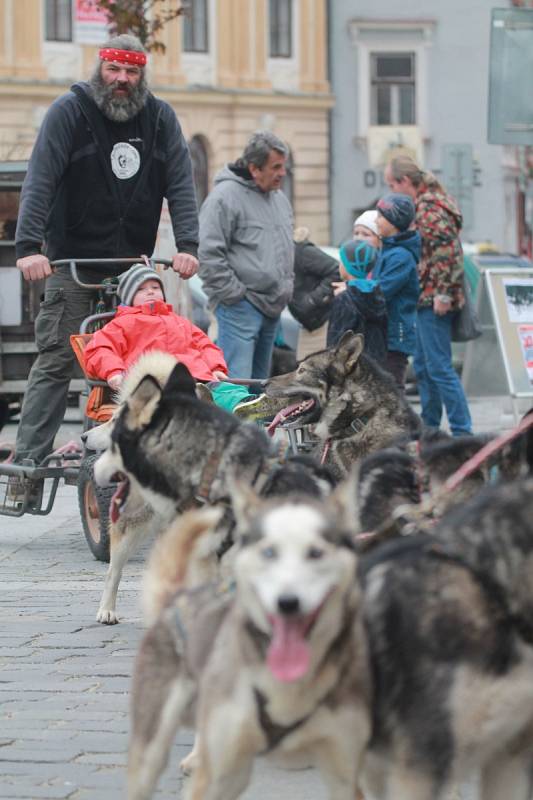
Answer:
(438, 383)
(246, 337)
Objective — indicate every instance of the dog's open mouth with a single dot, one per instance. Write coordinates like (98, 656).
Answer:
(120, 495)
(303, 411)
(289, 653)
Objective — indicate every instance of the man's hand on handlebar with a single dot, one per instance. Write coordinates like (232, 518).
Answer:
(185, 265)
(34, 268)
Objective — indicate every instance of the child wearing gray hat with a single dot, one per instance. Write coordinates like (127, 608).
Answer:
(143, 322)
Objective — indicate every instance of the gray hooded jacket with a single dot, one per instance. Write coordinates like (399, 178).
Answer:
(246, 248)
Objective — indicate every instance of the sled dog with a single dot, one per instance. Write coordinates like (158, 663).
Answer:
(449, 619)
(277, 665)
(353, 404)
(131, 520)
(170, 451)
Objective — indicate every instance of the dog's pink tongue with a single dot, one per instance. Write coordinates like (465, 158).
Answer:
(280, 417)
(288, 655)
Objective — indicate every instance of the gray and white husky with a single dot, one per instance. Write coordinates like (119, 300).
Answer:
(277, 665)
(170, 451)
(131, 520)
(423, 662)
(449, 618)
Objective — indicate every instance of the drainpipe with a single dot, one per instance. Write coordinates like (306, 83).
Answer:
(329, 17)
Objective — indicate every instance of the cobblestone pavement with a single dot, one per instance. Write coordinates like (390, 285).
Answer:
(64, 679)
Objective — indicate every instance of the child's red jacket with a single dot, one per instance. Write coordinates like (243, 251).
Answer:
(153, 326)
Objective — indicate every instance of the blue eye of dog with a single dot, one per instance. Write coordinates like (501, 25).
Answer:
(315, 552)
(269, 553)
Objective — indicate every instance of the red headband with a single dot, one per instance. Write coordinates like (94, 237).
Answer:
(123, 56)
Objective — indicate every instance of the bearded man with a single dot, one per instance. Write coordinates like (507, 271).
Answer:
(108, 152)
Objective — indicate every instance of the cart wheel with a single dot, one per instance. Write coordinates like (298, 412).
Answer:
(94, 509)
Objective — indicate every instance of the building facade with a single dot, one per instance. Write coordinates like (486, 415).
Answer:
(232, 67)
(414, 76)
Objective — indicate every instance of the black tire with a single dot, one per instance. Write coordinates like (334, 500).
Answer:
(94, 505)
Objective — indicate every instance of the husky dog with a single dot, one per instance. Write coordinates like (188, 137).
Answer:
(278, 665)
(131, 519)
(353, 403)
(179, 451)
(449, 619)
(171, 451)
(395, 478)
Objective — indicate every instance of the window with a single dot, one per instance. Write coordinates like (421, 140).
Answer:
(393, 89)
(58, 20)
(280, 28)
(195, 27)
(200, 167)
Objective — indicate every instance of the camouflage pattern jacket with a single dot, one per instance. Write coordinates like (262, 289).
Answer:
(440, 270)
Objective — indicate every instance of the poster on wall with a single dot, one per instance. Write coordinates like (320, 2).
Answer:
(519, 299)
(90, 23)
(525, 334)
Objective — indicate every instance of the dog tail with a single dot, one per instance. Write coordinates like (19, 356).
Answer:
(184, 556)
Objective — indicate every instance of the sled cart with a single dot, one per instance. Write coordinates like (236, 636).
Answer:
(36, 485)
(30, 488)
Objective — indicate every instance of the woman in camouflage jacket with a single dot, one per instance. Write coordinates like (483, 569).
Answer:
(439, 223)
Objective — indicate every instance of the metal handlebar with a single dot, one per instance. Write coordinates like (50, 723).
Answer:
(74, 262)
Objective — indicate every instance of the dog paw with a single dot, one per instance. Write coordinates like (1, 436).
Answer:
(106, 616)
(188, 764)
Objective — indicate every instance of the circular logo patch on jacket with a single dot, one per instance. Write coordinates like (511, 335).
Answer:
(125, 160)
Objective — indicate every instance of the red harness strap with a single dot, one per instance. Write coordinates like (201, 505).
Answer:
(485, 453)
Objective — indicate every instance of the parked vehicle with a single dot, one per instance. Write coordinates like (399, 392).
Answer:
(19, 301)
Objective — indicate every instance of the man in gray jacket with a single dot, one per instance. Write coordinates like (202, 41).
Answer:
(246, 254)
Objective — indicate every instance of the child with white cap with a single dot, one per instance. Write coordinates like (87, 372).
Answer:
(365, 227)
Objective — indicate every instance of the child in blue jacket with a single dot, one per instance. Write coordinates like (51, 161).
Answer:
(397, 274)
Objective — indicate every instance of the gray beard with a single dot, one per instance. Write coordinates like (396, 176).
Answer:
(118, 109)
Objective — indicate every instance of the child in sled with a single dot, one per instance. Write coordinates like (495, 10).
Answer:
(144, 322)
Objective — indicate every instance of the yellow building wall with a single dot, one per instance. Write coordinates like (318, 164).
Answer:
(241, 99)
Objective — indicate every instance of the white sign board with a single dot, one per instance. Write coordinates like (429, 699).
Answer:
(501, 361)
(90, 23)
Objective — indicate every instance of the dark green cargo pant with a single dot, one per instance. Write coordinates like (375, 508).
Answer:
(62, 311)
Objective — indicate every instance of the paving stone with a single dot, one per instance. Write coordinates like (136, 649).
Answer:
(65, 680)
